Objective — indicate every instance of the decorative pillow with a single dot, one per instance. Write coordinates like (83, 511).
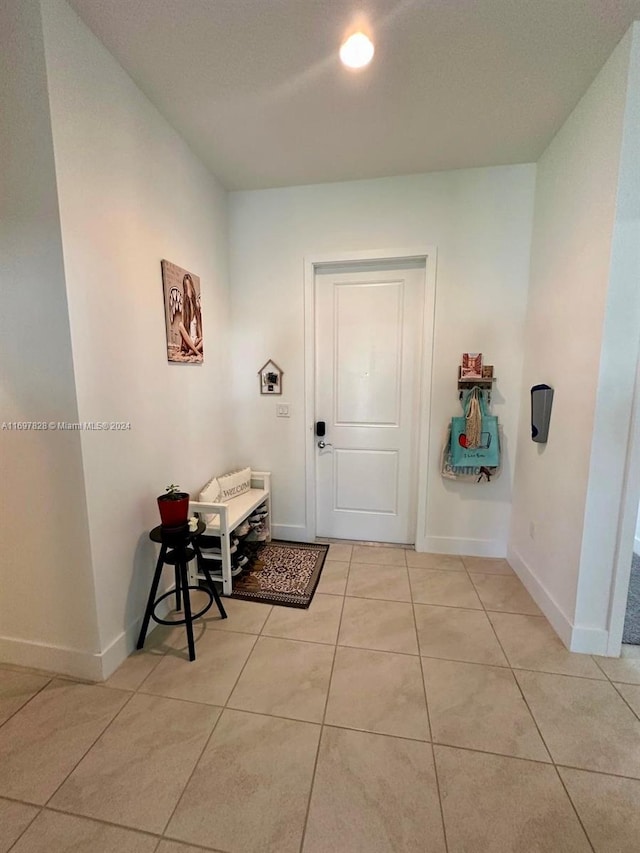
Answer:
(223, 489)
(234, 484)
(210, 494)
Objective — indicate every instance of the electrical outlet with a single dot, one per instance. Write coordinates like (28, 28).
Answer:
(282, 410)
(532, 530)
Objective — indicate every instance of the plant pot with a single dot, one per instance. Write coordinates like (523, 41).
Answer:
(174, 509)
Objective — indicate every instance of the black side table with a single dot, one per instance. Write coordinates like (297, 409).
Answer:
(178, 548)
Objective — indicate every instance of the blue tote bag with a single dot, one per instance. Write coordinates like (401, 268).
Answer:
(487, 453)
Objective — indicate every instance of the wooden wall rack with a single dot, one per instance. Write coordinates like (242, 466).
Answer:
(486, 383)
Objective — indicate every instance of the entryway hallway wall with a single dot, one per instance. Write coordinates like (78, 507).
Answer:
(582, 338)
(480, 221)
(98, 190)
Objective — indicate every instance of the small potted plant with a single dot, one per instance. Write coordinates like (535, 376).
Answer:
(174, 507)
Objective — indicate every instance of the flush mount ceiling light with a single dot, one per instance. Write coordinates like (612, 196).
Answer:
(357, 51)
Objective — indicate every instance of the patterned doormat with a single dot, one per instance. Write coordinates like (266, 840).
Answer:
(282, 573)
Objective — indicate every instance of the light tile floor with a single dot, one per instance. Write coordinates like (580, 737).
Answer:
(420, 704)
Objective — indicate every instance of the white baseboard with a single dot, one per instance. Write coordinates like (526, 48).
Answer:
(120, 649)
(54, 659)
(636, 545)
(76, 664)
(125, 643)
(464, 547)
(291, 532)
(590, 641)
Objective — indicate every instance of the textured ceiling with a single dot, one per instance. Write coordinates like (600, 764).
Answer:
(257, 89)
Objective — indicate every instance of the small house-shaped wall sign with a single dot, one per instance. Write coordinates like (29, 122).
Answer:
(270, 377)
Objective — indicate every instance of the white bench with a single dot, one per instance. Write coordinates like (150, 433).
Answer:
(230, 515)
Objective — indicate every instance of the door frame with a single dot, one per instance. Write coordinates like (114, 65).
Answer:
(629, 506)
(428, 254)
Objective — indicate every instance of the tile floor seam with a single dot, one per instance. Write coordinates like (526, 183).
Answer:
(426, 702)
(384, 651)
(620, 681)
(482, 604)
(482, 609)
(563, 766)
(296, 639)
(559, 764)
(488, 610)
(260, 634)
(288, 640)
(36, 815)
(184, 650)
(624, 698)
(408, 738)
(89, 748)
(514, 612)
(424, 684)
(189, 846)
(24, 705)
(102, 821)
(207, 740)
(524, 699)
(44, 673)
(559, 674)
(609, 678)
(12, 799)
(226, 631)
(520, 690)
(575, 809)
(322, 723)
(374, 598)
(195, 701)
(449, 606)
(479, 751)
(345, 727)
(181, 699)
(135, 689)
(396, 737)
(149, 674)
(193, 770)
(271, 715)
(595, 660)
(514, 669)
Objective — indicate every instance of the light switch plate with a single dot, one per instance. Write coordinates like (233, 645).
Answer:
(282, 410)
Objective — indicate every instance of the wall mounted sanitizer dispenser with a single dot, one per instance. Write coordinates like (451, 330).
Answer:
(541, 399)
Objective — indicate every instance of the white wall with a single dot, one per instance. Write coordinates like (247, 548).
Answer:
(47, 608)
(480, 222)
(603, 542)
(131, 193)
(571, 256)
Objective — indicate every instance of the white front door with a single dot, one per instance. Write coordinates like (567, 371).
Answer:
(369, 320)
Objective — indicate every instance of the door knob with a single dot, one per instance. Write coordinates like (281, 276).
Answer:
(323, 444)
